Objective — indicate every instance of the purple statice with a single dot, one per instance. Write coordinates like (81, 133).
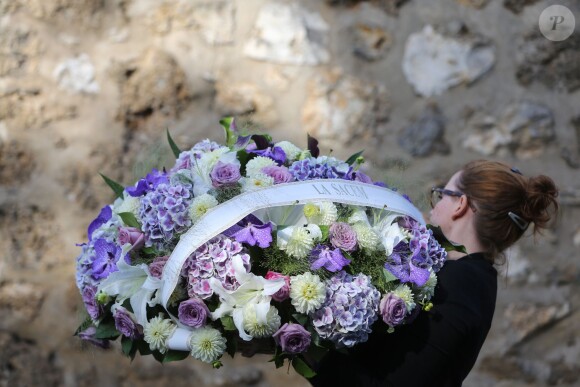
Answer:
(331, 260)
(164, 213)
(213, 259)
(275, 153)
(105, 260)
(310, 169)
(148, 183)
(186, 159)
(350, 309)
(412, 259)
(251, 231)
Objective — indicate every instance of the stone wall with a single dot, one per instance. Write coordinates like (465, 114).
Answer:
(89, 86)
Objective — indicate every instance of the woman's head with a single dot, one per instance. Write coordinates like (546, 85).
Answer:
(504, 202)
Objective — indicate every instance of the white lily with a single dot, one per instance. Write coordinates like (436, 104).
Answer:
(389, 232)
(253, 289)
(134, 283)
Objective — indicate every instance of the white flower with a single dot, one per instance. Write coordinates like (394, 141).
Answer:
(207, 344)
(322, 213)
(390, 232)
(127, 204)
(200, 205)
(314, 231)
(292, 151)
(366, 237)
(202, 167)
(406, 294)
(307, 292)
(253, 289)
(295, 240)
(255, 165)
(257, 181)
(260, 328)
(157, 331)
(359, 216)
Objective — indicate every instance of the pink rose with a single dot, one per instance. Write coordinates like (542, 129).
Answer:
(343, 236)
(284, 291)
(131, 235)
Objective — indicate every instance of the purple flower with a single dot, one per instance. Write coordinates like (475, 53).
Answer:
(275, 153)
(252, 231)
(392, 309)
(91, 305)
(331, 260)
(278, 173)
(359, 176)
(292, 338)
(343, 236)
(193, 313)
(106, 257)
(224, 174)
(131, 235)
(284, 292)
(88, 335)
(149, 183)
(104, 217)
(156, 267)
(125, 324)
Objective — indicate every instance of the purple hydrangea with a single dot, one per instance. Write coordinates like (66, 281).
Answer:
(350, 309)
(410, 261)
(164, 213)
(309, 169)
(213, 259)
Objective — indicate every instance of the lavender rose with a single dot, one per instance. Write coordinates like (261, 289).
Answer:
(91, 304)
(124, 323)
(284, 291)
(293, 338)
(343, 236)
(156, 267)
(279, 174)
(131, 235)
(392, 310)
(224, 174)
(193, 313)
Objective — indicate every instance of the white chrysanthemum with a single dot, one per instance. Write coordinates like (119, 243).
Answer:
(307, 292)
(257, 327)
(366, 237)
(256, 182)
(127, 204)
(295, 240)
(321, 213)
(406, 294)
(292, 151)
(207, 344)
(428, 290)
(200, 205)
(255, 165)
(156, 332)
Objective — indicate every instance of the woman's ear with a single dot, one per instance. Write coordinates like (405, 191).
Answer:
(460, 208)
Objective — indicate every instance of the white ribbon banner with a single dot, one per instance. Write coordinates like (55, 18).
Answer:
(225, 215)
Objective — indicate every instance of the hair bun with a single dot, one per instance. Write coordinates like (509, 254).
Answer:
(541, 195)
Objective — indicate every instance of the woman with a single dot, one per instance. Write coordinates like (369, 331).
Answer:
(486, 207)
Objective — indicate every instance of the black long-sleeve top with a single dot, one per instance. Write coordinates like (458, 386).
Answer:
(438, 349)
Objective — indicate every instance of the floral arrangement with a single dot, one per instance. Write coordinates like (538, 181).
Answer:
(294, 279)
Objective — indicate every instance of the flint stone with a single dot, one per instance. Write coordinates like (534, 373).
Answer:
(433, 63)
(288, 34)
(245, 99)
(525, 319)
(77, 75)
(371, 42)
(426, 134)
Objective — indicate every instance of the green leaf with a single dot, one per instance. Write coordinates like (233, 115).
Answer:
(174, 148)
(302, 368)
(229, 125)
(228, 323)
(158, 356)
(107, 331)
(173, 355)
(352, 159)
(130, 220)
(84, 325)
(143, 348)
(389, 277)
(129, 347)
(301, 318)
(116, 187)
(325, 232)
(444, 242)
